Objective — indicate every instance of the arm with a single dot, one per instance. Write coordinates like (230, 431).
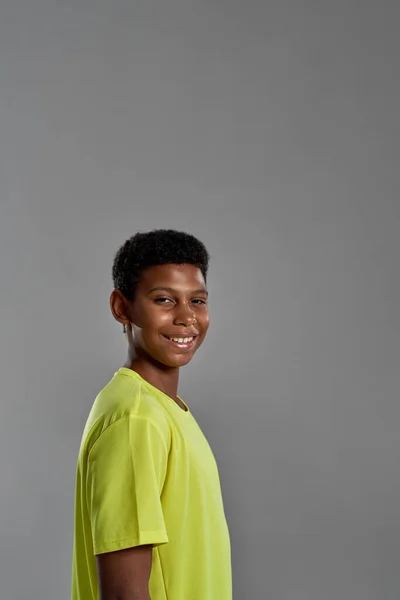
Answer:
(124, 575)
(126, 469)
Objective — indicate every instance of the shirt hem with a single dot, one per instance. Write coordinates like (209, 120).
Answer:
(154, 538)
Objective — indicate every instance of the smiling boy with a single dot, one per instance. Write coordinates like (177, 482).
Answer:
(149, 515)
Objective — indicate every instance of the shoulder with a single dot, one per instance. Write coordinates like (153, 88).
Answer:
(124, 405)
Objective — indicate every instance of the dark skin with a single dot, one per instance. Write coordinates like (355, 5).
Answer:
(178, 308)
(169, 301)
(124, 575)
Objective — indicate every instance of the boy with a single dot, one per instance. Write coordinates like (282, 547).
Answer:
(149, 516)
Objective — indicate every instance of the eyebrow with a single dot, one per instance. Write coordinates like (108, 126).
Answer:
(172, 291)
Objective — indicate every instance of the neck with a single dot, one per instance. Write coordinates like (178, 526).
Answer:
(163, 378)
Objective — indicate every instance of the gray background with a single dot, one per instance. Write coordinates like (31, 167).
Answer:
(271, 131)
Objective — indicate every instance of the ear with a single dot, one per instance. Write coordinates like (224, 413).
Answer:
(119, 306)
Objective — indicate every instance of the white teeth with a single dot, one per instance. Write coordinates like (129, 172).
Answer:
(181, 340)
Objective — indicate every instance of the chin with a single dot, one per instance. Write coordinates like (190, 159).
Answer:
(179, 361)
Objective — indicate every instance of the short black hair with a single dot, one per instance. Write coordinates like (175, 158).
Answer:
(157, 247)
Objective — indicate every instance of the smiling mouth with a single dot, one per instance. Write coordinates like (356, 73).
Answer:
(182, 342)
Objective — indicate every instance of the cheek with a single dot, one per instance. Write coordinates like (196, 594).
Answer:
(153, 325)
(205, 323)
(151, 318)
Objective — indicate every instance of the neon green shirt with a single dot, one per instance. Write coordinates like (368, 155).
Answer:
(146, 475)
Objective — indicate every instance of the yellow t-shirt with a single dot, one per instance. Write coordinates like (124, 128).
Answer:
(146, 475)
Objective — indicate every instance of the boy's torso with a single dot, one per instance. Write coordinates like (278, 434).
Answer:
(195, 563)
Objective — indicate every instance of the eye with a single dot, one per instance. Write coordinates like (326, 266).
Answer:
(198, 301)
(163, 300)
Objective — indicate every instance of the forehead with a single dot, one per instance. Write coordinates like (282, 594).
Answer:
(176, 276)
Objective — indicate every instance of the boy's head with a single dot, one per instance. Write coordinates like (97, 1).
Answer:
(160, 293)
(157, 247)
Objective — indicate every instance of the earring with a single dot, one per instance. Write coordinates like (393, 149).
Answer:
(124, 328)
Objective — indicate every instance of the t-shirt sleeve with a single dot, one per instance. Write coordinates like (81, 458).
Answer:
(125, 475)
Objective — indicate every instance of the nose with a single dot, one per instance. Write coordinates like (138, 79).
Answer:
(185, 316)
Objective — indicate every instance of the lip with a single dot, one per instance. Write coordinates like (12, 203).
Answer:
(183, 346)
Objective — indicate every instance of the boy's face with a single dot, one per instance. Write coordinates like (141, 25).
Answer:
(170, 302)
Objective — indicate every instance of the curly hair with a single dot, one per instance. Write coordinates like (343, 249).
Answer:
(157, 247)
